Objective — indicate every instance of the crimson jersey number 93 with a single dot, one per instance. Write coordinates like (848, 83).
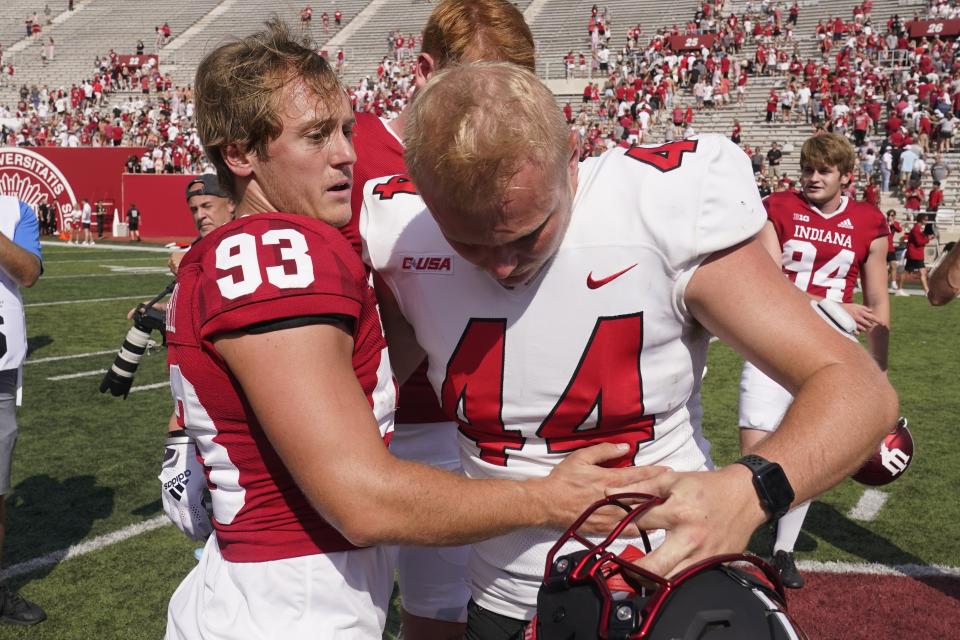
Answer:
(606, 383)
(238, 255)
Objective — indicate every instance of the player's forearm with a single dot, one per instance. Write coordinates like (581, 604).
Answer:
(20, 264)
(417, 504)
(945, 280)
(835, 422)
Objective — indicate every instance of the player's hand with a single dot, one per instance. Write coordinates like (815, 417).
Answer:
(183, 483)
(705, 513)
(579, 481)
(862, 315)
(173, 262)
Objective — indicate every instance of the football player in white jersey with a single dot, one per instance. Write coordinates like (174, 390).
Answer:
(279, 373)
(560, 305)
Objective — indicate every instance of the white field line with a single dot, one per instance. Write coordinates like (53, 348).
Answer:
(139, 272)
(869, 568)
(50, 304)
(71, 357)
(83, 548)
(148, 387)
(112, 259)
(869, 505)
(72, 249)
(108, 539)
(81, 374)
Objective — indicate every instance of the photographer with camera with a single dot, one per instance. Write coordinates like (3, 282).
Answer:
(20, 266)
(917, 240)
(182, 500)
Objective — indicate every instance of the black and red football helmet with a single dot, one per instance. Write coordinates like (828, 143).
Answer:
(592, 592)
(891, 459)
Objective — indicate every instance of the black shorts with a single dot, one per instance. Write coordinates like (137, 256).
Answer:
(133, 225)
(915, 265)
(891, 256)
(86, 225)
(483, 624)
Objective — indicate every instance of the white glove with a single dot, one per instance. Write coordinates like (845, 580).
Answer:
(183, 482)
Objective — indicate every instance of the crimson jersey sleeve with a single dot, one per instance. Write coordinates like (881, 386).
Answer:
(255, 270)
(379, 153)
(255, 263)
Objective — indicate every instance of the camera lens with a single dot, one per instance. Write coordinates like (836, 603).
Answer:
(120, 375)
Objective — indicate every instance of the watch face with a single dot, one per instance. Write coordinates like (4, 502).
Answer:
(778, 492)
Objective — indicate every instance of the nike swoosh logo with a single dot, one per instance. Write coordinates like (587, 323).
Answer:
(596, 284)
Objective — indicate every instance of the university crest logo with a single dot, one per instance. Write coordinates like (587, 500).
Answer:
(30, 177)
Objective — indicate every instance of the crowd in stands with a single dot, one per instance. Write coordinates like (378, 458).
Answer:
(901, 118)
(943, 9)
(161, 123)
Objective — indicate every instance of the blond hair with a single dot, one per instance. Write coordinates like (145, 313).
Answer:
(474, 126)
(238, 90)
(828, 150)
(472, 30)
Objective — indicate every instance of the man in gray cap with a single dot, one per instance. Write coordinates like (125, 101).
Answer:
(210, 207)
(209, 204)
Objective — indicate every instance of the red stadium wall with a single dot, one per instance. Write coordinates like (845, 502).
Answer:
(64, 176)
(93, 173)
(160, 199)
(67, 175)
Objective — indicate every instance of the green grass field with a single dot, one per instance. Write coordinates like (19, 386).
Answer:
(86, 463)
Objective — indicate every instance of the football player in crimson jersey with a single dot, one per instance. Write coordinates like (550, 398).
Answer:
(279, 372)
(824, 242)
(561, 304)
(433, 586)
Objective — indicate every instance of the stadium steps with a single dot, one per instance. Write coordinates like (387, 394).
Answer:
(92, 31)
(561, 26)
(812, 11)
(244, 17)
(367, 46)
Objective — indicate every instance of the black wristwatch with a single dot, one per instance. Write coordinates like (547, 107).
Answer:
(771, 483)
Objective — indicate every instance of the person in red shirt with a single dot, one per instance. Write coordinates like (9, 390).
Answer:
(917, 240)
(935, 198)
(912, 198)
(871, 193)
(772, 101)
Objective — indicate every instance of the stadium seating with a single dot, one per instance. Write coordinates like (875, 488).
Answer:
(247, 16)
(92, 29)
(561, 26)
